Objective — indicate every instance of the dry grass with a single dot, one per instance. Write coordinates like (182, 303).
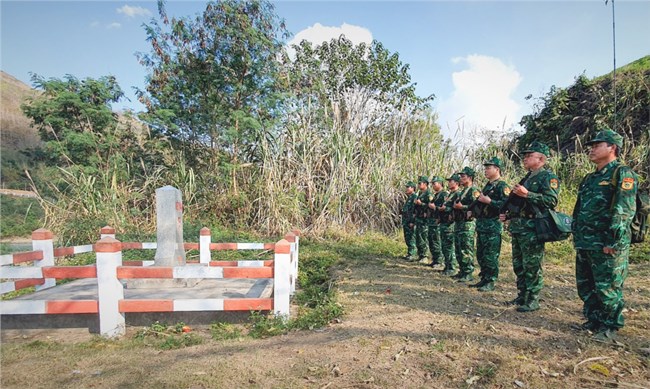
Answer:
(427, 332)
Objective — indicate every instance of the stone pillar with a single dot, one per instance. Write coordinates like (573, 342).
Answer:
(109, 288)
(169, 218)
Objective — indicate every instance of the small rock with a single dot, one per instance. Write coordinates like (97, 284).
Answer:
(520, 384)
(76, 371)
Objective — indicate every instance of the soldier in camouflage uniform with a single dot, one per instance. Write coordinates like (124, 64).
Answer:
(488, 226)
(439, 194)
(601, 234)
(446, 225)
(465, 227)
(540, 190)
(408, 220)
(421, 213)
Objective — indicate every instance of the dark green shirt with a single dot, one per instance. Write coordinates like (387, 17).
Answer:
(408, 209)
(422, 210)
(605, 208)
(487, 215)
(543, 191)
(448, 201)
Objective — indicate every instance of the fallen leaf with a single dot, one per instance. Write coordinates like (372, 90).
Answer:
(471, 380)
(519, 384)
(598, 368)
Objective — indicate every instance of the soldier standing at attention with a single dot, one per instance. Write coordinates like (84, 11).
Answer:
(602, 216)
(408, 220)
(540, 191)
(439, 194)
(446, 226)
(421, 213)
(488, 225)
(464, 227)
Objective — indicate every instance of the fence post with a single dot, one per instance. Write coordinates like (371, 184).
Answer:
(42, 240)
(204, 246)
(293, 240)
(282, 278)
(109, 288)
(107, 232)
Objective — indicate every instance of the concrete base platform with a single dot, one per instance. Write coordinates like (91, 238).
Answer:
(86, 289)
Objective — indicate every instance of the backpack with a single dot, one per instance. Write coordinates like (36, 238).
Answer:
(639, 226)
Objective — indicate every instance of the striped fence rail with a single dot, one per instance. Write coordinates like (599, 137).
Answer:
(110, 270)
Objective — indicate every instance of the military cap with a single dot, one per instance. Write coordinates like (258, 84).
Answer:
(424, 179)
(454, 177)
(607, 135)
(538, 147)
(410, 184)
(468, 171)
(437, 179)
(493, 161)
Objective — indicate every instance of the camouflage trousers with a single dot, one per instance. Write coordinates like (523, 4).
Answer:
(421, 237)
(527, 259)
(464, 242)
(488, 249)
(434, 244)
(600, 279)
(447, 245)
(409, 239)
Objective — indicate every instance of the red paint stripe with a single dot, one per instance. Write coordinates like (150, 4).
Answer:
(269, 263)
(131, 245)
(144, 272)
(247, 272)
(247, 304)
(282, 247)
(223, 246)
(60, 272)
(28, 256)
(27, 282)
(269, 246)
(63, 251)
(72, 306)
(42, 234)
(191, 246)
(132, 263)
(223, 263)
(146, 306)
(205, 231)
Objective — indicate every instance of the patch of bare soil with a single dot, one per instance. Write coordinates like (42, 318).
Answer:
(405, 326)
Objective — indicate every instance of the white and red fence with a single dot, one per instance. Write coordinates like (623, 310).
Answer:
(110, 270)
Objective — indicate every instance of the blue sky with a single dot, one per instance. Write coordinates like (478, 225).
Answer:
(480, 58)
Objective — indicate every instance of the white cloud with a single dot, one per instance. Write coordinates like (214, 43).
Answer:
(113, 25)
(133, 11)
(482, 97)
(318, 34)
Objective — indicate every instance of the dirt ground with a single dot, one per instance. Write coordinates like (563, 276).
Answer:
(405, 326)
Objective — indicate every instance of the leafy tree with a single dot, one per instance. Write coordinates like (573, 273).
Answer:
(212, 79)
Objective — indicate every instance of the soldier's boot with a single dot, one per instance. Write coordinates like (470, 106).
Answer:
(466, 278)
(449, 271)
(519, 300)
(531, 304)
(488, 287)
(479, 284)
(606, 335)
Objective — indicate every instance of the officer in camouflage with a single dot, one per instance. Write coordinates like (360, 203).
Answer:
(421, 213)
(408, 220)
(446, 225)
(602, 216)
(488, 226)
(464, 226)
(539, 192)
(439, 194)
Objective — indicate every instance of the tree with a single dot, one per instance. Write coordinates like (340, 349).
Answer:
(212, 78)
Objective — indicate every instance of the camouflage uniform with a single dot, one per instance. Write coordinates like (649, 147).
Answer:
(421, 213)
(408, 217)
(602, 216)
(433, 225)
(446, 228)
(488, 229)
(464, 230)
(527, 252)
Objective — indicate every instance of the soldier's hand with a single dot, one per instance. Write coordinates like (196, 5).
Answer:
(411, 225)
(418, 202)
(520, 191)
(458, 205)
(442, 208)
(502, 217)
(432, 206)
(609, 250)
(484, 199)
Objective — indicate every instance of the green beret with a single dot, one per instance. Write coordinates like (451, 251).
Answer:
(454, 177)
(424, 179)
(608, 136)
(437, 179)
(538, 147)
(410, 184)
(468, 171)
(493, 161)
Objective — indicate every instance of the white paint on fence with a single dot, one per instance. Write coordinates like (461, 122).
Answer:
(22, 307)
(250, 263)
(250, 246)
(18, 272)
(110, 291)
(190, 271)
(198, 305)
(47, 246)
